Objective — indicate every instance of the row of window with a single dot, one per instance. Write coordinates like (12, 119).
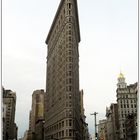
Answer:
(127, 101)
(60, 125)
(128, 106)
(128, 111)
(63, 133)
(125, 115)
(127, 96)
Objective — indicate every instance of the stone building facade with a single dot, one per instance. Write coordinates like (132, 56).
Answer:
(102, 130)
(9, 107)
(62, 98)
(127, 103)
(112, 122)
(131, 127)
(85, 132)
(36, 118)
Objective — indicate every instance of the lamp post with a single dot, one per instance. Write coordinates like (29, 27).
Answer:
(96, 135)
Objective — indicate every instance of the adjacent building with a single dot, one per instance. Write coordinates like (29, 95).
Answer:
(131, 127)
(4, 122)
(121, 117)
(9, 107)
(112, 123)
(85, 132)
(108, 129)
(102, 130)
(36, 118)
(62, 98)
(127, 103)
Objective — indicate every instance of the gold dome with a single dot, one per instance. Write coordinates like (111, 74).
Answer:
(120, 75)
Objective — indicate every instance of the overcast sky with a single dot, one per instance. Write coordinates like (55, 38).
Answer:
(109, 43)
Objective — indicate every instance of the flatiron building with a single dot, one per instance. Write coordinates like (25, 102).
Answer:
(62, 98)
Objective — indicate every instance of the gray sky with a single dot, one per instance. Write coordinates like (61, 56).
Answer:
(108, 43)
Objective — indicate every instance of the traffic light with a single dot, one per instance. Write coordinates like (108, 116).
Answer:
(96, 135)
